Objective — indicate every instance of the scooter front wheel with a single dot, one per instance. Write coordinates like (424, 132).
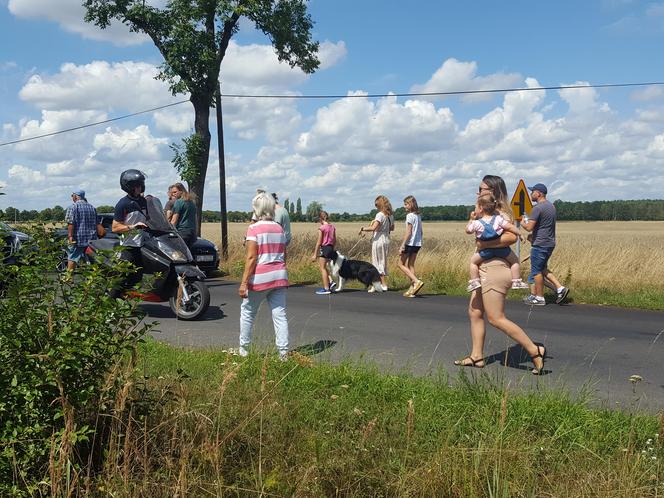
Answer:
(194, 304)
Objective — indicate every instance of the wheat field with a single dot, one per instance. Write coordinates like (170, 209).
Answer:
(621, 257)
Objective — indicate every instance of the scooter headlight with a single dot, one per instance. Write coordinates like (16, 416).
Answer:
(175, 255)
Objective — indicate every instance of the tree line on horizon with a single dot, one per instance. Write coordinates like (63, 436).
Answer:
(628, 210)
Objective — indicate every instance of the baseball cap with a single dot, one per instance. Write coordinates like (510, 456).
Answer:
(540, 187)
(80, 193)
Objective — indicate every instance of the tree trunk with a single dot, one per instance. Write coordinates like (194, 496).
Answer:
(202, 127)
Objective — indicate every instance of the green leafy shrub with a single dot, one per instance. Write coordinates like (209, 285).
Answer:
(64, 347)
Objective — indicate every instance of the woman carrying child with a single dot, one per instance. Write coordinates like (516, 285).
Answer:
(486, 223)
(412, 242)
(325, 243)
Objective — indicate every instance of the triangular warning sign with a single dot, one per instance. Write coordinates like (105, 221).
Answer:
(520, 202)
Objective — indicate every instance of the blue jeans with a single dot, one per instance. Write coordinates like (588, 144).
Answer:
(539, 257)
(276, 298)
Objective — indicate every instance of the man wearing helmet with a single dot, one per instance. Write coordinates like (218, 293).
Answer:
(132, 181)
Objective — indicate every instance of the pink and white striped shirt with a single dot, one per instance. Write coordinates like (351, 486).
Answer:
(271, 264)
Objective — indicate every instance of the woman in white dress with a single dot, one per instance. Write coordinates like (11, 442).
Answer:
(381, 226)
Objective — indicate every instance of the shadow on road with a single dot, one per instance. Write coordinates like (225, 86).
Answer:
(315, 348)
(514, 357)
(219, 283)
(161, 311)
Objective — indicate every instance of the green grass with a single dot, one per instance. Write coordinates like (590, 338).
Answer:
(229, 426)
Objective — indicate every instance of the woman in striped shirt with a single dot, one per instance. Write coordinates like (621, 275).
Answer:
(265, 275)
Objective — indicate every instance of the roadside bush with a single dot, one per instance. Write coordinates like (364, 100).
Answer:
(65, 348)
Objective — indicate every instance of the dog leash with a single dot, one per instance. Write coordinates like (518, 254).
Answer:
(353, 248)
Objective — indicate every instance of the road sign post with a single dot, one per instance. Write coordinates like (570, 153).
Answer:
(521, 205)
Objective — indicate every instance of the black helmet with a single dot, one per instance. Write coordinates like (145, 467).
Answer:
(130, 179)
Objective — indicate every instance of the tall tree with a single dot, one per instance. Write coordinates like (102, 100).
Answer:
(313, 209)
(192, 37)
(298, 209)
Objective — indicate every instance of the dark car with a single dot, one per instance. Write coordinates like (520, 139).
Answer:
(12, 240)
(205, 253)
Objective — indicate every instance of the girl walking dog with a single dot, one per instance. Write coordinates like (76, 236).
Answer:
(327, 238)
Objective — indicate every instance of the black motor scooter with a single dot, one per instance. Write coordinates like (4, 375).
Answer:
(163, 252)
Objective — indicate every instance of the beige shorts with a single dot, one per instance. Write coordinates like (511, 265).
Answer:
(495, 275)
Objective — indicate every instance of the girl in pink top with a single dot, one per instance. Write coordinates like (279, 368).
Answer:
(327, 238)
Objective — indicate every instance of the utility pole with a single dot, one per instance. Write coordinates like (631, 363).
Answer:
(222, 176)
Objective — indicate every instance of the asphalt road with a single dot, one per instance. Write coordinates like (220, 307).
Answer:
(591, 349)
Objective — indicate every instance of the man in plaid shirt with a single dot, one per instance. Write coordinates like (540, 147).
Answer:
(81, 219)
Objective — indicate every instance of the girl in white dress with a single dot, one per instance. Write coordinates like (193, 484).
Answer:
(381, 226)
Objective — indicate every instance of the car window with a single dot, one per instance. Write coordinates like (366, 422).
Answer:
(106, 220)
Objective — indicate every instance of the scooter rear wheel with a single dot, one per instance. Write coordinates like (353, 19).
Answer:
(199, 300)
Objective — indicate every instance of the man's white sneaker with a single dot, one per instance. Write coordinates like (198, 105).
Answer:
(560, 296)
(242, 352)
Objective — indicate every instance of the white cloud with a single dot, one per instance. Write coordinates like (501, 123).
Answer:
(69, 14)
(649, 93)
(98, 85)
(137, 144)
(58, 147)
(257, 67)
(330, 54)
(23, 175)
(454, 76)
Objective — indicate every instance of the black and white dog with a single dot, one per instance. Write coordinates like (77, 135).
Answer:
(342, 269)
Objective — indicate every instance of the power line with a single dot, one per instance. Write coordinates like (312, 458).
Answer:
(338, 96)
(97, 123)
(442, 94)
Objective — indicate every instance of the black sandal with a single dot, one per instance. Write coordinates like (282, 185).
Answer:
(473, 362)
(538, 371)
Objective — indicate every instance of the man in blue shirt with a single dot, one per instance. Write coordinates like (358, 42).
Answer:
(542, 224)
(82, 226)
(132, 181)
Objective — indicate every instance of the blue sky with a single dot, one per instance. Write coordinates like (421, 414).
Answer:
(57, 72)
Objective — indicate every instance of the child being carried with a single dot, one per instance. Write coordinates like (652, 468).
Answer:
(486, 223)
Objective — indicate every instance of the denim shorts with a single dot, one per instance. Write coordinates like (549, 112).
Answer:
(75, 253)
(496, 252)
(539, 257)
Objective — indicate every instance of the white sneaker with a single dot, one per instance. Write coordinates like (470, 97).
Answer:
(560, 296)
(242, 352)
(283, 355)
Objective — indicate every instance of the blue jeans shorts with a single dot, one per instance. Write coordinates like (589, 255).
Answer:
(75, 253)
(496, 252)
(539, 257)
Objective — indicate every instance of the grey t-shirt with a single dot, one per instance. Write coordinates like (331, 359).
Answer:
(544, 233)
(281, 217)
